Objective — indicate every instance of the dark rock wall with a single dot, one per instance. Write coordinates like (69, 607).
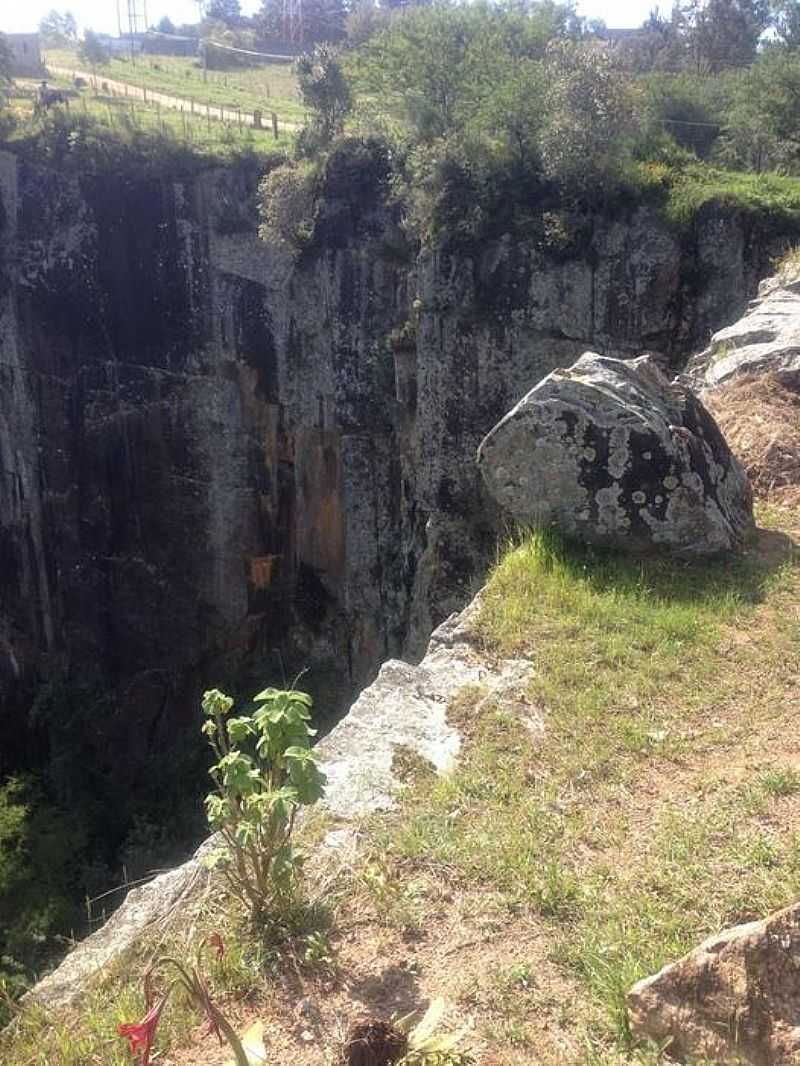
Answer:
(214, 458)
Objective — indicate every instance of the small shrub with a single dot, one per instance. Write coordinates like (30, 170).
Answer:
(780, 781)
(286, 206)
(264, 773)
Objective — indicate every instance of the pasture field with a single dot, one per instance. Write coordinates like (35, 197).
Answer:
(266, 87)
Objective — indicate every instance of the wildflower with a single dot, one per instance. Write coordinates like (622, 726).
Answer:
(141, 1034)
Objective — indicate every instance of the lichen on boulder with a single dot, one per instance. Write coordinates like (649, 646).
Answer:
(613, 453)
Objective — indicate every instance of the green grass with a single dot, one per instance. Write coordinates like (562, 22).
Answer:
(41, 1037)
(710, 863)
(126, 121)
(271, 87)
(628, 673)
(253, 958)
(697, 185)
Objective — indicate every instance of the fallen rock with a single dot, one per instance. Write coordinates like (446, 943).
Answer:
(734, 999)
(612, 453)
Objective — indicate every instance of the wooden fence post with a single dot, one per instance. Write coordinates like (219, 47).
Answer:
(274, 125)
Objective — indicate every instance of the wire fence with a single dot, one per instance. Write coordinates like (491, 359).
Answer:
(191, 106)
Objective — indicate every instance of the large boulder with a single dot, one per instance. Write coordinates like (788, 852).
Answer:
(734, 999)
(612, 453)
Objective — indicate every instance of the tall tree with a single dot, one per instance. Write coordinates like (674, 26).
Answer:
(165, 25)
(58, 28)
(92, 51)
(786, 19)
(324, 90)
(590, 117)
(723, 33)
(227, 11)
(444, 66)
(312, 23)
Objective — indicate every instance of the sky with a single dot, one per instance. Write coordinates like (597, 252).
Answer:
(101, 15)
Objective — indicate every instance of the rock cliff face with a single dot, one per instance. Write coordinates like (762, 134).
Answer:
(210, 451)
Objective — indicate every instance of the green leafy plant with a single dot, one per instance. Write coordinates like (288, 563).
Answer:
(264, 773)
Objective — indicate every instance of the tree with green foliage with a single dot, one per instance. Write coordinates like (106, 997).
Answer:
(227, 11)
(6, 60)
(440, 66)
(364, 21)
(768, 104)
(316, 22)
(722, 33)
(786, 21)
(58, 29)
(510, 113)
(42, 850)
(591, 115)
(747, 141)
(324, 90)
(92, 51)
(689, 107)
(165, 25)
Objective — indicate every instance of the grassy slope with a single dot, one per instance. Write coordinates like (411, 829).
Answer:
(271, 87)
(774, 194)
(551, 869)
(122, 118)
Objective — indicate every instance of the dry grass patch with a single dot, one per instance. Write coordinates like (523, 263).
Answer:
(759, 415)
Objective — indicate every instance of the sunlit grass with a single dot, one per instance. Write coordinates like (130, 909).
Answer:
(266, 87)
(629, 666)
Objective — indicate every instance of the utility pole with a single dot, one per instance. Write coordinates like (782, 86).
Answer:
(137, 23)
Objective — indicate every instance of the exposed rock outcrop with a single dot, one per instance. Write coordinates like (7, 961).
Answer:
(735, 999)
(765, 339)
(749, 378)
(404, 709)
(611, 453)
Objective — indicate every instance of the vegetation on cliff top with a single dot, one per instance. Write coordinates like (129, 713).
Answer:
(493, 117)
